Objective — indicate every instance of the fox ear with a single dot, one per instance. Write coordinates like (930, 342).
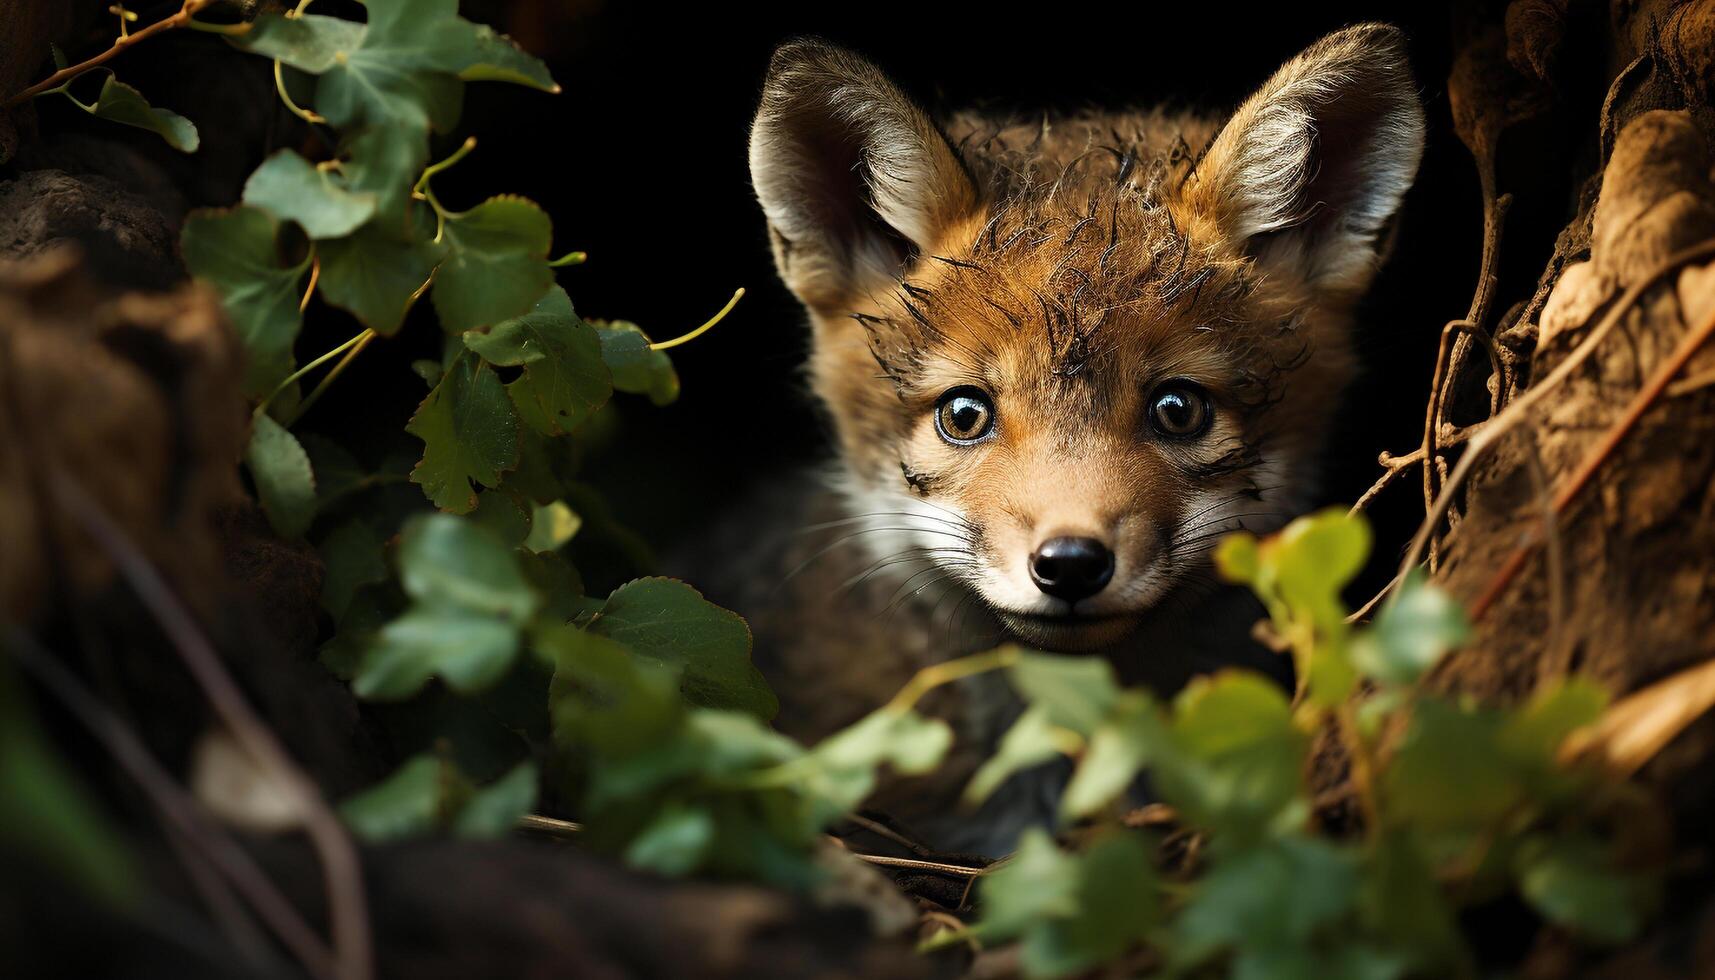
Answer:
(1309, 170)
(852, 175)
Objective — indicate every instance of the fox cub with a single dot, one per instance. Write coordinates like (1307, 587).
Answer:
(1061, 357)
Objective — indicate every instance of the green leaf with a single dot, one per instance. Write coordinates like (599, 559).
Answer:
(1117, 752)
(564, 379)
(365, 615)
(385, 160)
(376, 275)
(845, 763)
(1077, 692)
(470, 434)
(1030, 742)
(470, 651)
(416, 800)
(670, 623)
(1272, 896)
(236, 252)
(1235, 761)
(1238, 558)
(503, 515)
(1314, 557)
(284, 481)
(636, 368)
(401, 68)
(352, 555)
(674, 843)
(1446, 772)
(125, 105)
(1572, 882)
(1533, 733)
(493, 810)
(47, 817)
(496, 266)
(293, 189)
(1412, 632)
(499, 59)
(1040, 882)
(551, 526)
(1072, 912)
(1118, 907)
(444, 561)
(308, 42)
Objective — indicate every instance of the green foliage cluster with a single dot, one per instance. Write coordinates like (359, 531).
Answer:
(1460, 805)
(460, 617)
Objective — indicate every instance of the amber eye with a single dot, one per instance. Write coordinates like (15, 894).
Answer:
(1180, 410)
(964, 415)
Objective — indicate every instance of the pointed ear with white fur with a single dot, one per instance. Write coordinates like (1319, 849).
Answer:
(1309, 170)
(852, 175)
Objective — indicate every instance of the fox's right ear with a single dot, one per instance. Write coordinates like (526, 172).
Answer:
(852, 175)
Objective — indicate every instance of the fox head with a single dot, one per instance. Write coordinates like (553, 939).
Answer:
(1062, 357)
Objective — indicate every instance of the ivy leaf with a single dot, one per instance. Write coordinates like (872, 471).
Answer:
(845, 763)
(1077, 692)
(311, 43)
(670, 623)
(499, 59)
(635, 368)
(551, 526)
(444, 561)
(1571, 881)
(1117, 752)
(1118, 907)
(1412, 632)
(412, 802)
(284, 481)
(352, 555)
(401, 67)
(1314, 557)
(1028, 743)
(470, 434)
(1072, 912)
(1235, 758)
(469, 651)
(237, 252)
(493, 810)
(1274, 896)
(375, 275)
(674, 843)
(385, 160)
(294, 189)
(564, 379)
(1039, 883)
(125, 105)
(1446, 772)
(497, 257)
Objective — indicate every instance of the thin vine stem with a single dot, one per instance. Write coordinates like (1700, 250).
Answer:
(737, 295)
(306, 369)
(362, 340)
(59, 78)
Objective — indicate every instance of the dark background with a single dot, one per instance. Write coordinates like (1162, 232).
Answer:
(642, 163)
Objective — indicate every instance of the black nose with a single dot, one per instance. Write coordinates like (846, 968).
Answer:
(1072, 568)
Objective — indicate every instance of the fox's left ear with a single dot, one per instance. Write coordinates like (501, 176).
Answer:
(1309, 170)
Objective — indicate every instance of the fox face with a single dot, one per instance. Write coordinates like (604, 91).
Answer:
(1062, 357)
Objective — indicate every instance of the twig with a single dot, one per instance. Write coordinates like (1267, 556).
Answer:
(1640, 403)
(180, 810)
(352, 945)
(120, 43)
(1502, 424)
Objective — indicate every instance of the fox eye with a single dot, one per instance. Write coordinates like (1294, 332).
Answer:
(1180, 410)
(964, 415)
